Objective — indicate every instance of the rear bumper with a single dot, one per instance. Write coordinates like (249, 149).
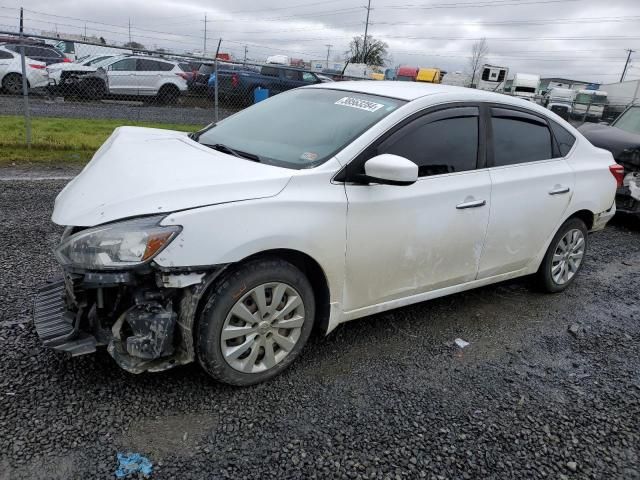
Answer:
(601, 219)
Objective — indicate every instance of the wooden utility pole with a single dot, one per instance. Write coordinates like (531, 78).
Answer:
(626, 64)
(366, 29)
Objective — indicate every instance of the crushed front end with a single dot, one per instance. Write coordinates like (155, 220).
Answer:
(143, 314)
(628, 195)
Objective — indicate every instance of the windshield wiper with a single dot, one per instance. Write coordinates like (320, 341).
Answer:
(220, 147)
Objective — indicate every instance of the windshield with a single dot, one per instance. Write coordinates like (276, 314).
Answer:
(629, 121)
(593, 99)
(301, 128)
(525, 89)
(96, 60)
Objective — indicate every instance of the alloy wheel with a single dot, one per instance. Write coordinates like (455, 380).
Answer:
(568, 256)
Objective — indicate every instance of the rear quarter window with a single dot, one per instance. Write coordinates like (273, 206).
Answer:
(564, 139)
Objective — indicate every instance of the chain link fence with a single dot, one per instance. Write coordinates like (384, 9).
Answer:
(48, 77)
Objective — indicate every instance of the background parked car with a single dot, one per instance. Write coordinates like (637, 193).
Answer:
(11, 72)
(42, 53)
(241, 85)
(202, 80)
(63, 77)
(127, 75)
(622, 139)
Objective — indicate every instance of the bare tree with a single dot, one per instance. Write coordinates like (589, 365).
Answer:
(479, 51)
(376, 53)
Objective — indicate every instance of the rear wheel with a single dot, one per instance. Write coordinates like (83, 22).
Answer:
(12, 83)
(255, 322)
(564, 257)
(168, 94)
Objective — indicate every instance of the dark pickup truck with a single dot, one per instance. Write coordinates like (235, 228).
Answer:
(241, 84)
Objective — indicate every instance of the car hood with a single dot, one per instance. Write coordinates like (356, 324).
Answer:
(143, 171)
(71, 66)
(610, 138)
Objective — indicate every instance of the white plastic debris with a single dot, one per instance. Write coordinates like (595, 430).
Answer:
(461, 343)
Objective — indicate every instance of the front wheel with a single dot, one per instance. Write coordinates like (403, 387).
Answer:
(564, 257)
(255, 322)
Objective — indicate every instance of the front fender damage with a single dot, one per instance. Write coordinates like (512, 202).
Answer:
(154, 336)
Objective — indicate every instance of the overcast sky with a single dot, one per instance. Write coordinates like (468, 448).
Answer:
(581, 39)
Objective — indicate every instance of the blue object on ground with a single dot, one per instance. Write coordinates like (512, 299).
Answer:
(260, 94)
(133, 463)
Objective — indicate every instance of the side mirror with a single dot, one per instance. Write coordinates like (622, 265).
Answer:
(388, 169)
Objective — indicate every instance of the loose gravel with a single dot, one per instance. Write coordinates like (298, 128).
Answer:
(549, 386)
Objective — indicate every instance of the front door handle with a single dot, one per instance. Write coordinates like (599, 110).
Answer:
(559, 190)
(471, 204)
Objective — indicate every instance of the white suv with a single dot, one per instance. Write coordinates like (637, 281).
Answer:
(315, 207)
(146, 76)
(125, 76)
(11, 72)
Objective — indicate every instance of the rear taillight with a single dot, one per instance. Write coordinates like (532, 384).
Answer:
(618, 173)
(39, 67)
(67, 60)
(235, 80)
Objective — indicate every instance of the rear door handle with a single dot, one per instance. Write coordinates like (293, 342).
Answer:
(472, 204)
(559, 190)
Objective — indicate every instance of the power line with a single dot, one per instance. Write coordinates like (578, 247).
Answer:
(558, 21)
(478, 4)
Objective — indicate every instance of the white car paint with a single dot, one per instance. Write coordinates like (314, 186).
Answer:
(379, 246)
(55, 69)
(36, 73)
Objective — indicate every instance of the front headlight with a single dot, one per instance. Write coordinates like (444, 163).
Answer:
(116, 246)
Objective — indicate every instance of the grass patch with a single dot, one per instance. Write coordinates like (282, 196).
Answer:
(62, 140)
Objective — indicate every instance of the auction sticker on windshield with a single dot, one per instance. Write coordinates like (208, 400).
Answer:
(359, 103)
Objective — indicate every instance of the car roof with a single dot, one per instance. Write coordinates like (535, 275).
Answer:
(413, 90)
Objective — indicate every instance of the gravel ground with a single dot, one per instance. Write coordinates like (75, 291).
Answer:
(389, 396)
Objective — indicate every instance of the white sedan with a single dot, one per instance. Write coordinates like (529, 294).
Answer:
(316, 207)
(11, 72)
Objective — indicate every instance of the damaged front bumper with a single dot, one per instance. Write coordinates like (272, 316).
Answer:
(628, 195)
(145, 319)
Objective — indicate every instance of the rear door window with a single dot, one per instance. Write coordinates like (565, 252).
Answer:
(124, 65)
(148, 65)
(270, 72)
(519, 137)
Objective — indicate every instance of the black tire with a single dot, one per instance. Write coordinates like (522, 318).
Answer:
(95, 89)
(544, 277)
(12, 83)
(226, 294)
(168, 94)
